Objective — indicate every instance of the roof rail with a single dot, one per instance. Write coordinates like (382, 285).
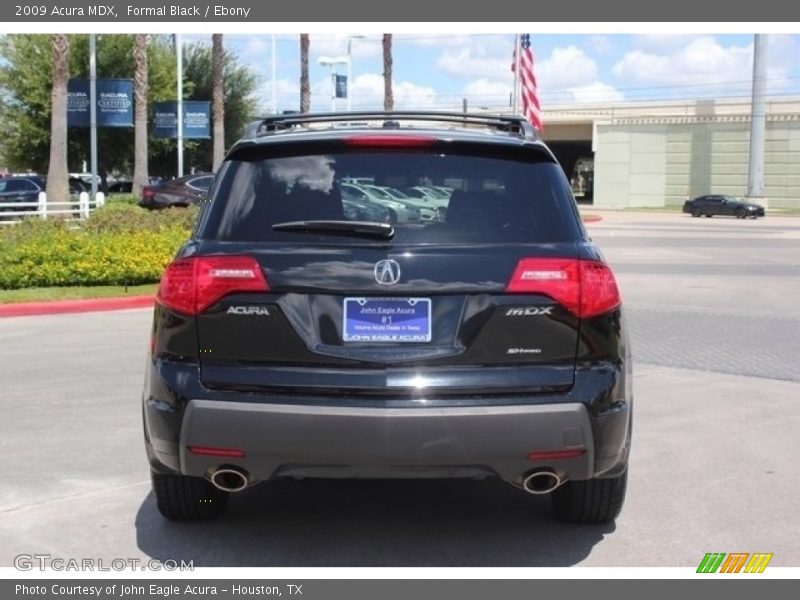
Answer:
(278, 123)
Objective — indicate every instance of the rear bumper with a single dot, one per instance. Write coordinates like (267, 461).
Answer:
(304, 436)
(291, 440)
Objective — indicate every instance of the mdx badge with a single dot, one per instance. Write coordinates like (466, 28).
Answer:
(248, 310)
(387, 272)
(530, 311)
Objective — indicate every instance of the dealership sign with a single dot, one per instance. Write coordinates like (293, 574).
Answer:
(114, 103)
(196, 119)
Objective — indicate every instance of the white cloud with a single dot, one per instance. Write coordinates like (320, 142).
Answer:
(367, 93)
(449, 40)
(483, 92)
(661, 42)
(333, 45)
(696, 65)
(565, 68)
(288, 95)
(601, 43)
(475, 60)
(596, 92)
(568, 74)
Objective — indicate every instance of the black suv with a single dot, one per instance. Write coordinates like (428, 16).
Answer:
(291, 341)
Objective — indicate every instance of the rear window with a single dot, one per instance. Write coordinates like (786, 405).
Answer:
(430, 197)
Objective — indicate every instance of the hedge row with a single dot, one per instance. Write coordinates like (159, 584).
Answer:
(118, 245)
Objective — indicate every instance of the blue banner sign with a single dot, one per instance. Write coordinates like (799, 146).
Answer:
(114, 103)
(196, 119)
(341, 86)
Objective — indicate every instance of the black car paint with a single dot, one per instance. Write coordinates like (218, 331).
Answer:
(295, 356)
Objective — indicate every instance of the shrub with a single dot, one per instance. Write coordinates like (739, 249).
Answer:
(122, 199)
(118, 245)
(119, 218)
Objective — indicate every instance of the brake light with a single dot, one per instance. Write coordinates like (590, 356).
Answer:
(585, 288)
(148, 193)
(191, 285)
(389, 141)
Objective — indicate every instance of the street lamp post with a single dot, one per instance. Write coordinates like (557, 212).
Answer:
(326, 61)
(350, 39)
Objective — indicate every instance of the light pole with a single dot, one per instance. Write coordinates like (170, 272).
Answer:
(326, 61)
(274, 75)
(179, 68)
(350, 39)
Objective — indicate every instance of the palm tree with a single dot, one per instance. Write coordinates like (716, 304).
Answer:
(305, 86)
(140, 91)
(218, 97)
(388, 95)
(57, 171)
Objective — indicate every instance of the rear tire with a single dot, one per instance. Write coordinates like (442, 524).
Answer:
(740, 214)
(590, 502)
(183, 498)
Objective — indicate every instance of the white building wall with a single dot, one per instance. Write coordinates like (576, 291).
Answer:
(660, 164)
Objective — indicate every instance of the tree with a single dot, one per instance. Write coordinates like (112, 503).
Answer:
(26, 69)
(218, 99)
(241, 105)
(140, 91)
(305, 86)
(57, 171)
(388, 95)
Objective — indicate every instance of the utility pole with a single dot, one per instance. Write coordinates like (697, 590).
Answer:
(758, 118)
(93, 110)
(179, 54)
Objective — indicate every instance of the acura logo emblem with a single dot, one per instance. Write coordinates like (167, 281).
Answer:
(387, 272)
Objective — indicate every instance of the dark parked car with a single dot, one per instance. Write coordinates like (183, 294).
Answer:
(25, 190)
(19, 190)
(290, 340)
(709, 206)
(120, 186)
(182, 191)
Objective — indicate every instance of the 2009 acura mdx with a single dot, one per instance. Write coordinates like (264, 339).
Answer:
(291, 341)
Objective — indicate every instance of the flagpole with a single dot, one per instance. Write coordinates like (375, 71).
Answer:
(515, 93)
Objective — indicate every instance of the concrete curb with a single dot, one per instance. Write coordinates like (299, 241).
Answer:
(58, 307)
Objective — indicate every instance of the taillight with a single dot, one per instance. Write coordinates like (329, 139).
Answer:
(599, 292)
(389, 141)
(585, 288)
(190, 285)
(148, 193)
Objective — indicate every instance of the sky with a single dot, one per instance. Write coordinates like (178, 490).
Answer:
(438, 71)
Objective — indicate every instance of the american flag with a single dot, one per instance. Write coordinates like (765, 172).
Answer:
(531, 109)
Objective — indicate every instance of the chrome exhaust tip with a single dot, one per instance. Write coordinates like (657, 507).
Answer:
(542, 481)
(230, 479)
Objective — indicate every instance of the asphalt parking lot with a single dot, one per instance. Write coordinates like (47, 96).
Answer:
(715, 320)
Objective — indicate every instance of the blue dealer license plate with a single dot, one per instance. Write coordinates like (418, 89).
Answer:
(387, 320)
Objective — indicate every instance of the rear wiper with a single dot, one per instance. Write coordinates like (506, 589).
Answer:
(363, 228)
